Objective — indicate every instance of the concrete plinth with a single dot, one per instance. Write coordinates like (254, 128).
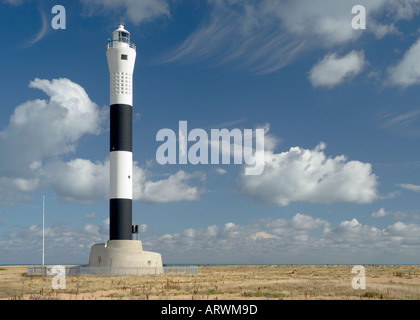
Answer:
(125, 257)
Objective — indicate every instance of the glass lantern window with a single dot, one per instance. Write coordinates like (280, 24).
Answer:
(123, 36)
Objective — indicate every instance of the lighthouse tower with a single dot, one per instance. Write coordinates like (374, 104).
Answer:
(121, 254)
(121, 56)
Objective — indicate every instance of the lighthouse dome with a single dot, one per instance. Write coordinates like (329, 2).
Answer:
(120, 39)
(121, 34)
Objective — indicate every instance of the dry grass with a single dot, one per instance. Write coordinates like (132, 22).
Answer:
(297, 282)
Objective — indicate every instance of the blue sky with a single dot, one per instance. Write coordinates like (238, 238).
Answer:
(339, 107)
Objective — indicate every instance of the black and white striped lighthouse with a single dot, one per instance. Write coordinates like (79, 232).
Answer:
(121, 56)
(121, 254)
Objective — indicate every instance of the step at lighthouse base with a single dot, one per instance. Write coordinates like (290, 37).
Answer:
(125, 257)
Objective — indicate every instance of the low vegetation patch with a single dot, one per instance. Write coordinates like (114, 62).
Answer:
(279, 282)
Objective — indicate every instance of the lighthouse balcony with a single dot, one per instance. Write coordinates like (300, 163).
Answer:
(121, 43)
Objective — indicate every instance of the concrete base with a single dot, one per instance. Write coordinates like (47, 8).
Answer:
(125, 257)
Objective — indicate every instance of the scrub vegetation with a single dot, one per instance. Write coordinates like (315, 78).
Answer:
(295, 282)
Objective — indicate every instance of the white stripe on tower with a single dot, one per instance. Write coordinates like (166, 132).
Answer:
(121, 56)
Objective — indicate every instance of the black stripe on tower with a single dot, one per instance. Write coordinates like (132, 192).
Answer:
(121, 127)
(120, 219)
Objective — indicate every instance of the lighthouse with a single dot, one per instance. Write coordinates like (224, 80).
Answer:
(120, 254)
(121, 56)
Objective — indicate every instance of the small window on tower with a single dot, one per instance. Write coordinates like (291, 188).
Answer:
(124, 57)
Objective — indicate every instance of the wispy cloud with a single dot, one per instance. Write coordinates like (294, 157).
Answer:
(398, 214)
(13, 2)
(405, 123)
(241, 35)
(409, 186)
(42, 32)
(136, 11)
(264, 36)
(227, 124)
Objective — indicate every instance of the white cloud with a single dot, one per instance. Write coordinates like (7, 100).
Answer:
(172, 189)
(47, 128)
(398, 215)
(83, 181)
(380, 213)
(404, 9)
(136, 11)
(305, 222)
(263, 235)
(78, 180)
(63, 244)
(333, 70)
(404, 233)
(355, 235)
(329, 21)
(381, 30)
(90, 215)
(309, 175)
(15, 190)
(40, 132)
(142, 228)
(409, 186)
(407, 72)
(299, 239)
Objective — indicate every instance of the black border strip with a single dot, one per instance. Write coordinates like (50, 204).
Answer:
(121, 127)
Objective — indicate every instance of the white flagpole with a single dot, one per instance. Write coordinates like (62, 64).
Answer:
(43, 234)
